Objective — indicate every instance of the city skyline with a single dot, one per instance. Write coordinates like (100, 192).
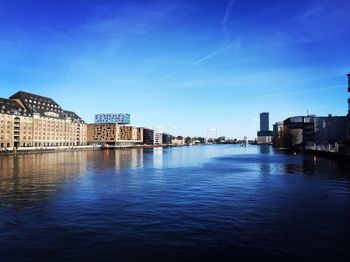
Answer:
(181, 67)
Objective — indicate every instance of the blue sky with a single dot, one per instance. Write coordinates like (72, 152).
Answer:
(180, 66)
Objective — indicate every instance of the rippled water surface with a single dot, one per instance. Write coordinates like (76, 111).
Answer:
(188, 203)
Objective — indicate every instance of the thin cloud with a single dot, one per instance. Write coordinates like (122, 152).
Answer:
(237, 43)
(301, 91)
(228, 11)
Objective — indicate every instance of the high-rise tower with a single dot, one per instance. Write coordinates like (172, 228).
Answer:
(264, 135)
(264, 121)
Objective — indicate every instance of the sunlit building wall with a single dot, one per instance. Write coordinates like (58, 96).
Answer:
(29, 120)
(114, 134)
(158, 138)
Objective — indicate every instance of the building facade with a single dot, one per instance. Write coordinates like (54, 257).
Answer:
(121, 118)
(264, 135)
(264, 121)
(148, 136)
(29, 120)
(277, 129)
(178, 141)
(158, 137)
(113, 134)
(309, 130)
(167, 139)
(278, 133)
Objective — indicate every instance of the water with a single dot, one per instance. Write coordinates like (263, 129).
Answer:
(190, 203)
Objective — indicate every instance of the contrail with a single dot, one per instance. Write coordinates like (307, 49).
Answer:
(301, 91)
(200, 60)
(227, 12)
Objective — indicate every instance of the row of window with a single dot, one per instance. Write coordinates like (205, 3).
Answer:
(7, 145)
(39, 103)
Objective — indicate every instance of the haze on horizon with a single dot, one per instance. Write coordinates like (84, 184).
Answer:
(180, 66)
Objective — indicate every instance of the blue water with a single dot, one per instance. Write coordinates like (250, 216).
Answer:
(199, 203)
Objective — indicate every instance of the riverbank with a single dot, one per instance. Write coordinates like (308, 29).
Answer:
(339, 155)
(328, 154)
(33, 150)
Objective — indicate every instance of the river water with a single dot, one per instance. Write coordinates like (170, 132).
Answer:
(199, 203)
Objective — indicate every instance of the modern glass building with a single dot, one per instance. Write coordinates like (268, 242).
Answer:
(121, 119)
(264, 135)
(264, 121)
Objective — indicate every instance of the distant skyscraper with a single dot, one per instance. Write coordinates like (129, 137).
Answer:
(121, 119)
(264, 135)
(264, 121)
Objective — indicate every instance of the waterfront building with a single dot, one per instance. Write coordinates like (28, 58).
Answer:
(16, 125)
(113, 134)
(121, 118)
(277, 129)
(264, 135)
(313, 130)
(278, 133)
(298, 130)
(178, 141)
(148, 136)
(167, 139)
(264, 121)
(29, 120)
(158, 137)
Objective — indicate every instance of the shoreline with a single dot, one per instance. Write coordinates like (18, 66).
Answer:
(46, 150)
(326, 154)
(24, 151)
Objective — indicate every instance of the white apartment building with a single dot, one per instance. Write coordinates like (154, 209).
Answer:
(158, 137)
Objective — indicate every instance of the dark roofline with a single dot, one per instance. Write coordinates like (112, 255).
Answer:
(57, 109)
(20, 93)
(73, 115)
(10, 100)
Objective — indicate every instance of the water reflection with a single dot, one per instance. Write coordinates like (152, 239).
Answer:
(231, 199)
(132, 158)
(265, 149)
(33, 177)
(158, 157)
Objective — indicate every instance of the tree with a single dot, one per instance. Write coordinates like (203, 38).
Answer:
(188, 140)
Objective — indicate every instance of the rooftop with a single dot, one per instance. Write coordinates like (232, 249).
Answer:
(12, 107)
(24, 103)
